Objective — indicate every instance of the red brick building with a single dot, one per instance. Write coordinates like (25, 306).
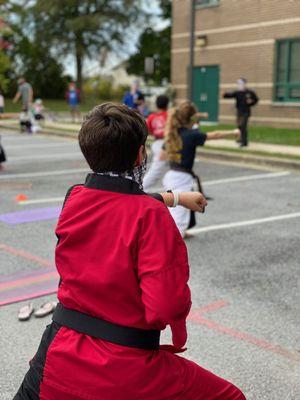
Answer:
(255, 39)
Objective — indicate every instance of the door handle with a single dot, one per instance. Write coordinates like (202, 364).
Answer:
(203, 97)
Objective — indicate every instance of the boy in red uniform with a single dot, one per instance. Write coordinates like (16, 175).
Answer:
(124, 272)
(156, 123)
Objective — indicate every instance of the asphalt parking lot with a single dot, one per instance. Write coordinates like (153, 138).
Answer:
(244, 258)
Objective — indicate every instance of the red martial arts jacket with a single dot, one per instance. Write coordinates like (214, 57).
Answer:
(121, 258)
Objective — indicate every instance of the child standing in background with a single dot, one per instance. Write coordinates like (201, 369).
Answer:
(26, 120)
(73, 98)
(38, 109)
(156, 123)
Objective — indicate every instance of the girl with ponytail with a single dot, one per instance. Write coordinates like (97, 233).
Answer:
(181, 141)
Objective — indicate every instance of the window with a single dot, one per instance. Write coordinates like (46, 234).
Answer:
(287, 85)
(206, 3)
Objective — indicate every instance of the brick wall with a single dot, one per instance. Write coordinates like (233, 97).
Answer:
(241, 37)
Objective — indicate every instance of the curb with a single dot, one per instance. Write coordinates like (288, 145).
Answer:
(282, 163)
(62, 133)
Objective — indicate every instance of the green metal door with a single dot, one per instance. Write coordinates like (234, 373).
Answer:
(206, 90)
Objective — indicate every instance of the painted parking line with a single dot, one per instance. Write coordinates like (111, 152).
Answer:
(25, 285)
(239, 224)
(45, 145)
(237, 179)
(197, 316)
(24, 254)
(247, 178)
(44, 174)
(29, 296)
(29, 280)
(41, 201)
(46, 157)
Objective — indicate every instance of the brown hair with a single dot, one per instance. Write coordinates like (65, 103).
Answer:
(110, 137)
(178, 117)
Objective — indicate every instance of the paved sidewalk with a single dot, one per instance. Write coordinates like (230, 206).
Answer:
(254, 146)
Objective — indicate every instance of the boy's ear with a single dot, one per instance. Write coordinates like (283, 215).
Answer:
(140, 156)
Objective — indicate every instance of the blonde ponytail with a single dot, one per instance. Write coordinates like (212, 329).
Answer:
(179, 117)
(173, 140)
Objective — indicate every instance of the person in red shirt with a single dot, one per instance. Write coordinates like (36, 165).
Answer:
(156, 123)
(124, 278)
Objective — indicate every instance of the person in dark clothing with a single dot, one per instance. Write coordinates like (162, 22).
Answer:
(245, 99)
(2, 155)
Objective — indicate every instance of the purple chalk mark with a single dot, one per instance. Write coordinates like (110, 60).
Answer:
(33, 215)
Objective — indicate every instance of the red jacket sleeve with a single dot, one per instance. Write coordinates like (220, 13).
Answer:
(164, 272)
(149, 124)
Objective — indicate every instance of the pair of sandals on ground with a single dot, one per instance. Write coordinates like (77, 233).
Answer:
(25, 312)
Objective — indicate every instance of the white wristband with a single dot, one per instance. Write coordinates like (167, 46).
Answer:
(176, 198)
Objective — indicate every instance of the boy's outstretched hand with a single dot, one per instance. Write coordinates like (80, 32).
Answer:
(194, 201)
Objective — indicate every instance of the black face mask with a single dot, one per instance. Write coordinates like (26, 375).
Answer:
(136, 174)
(139, 172)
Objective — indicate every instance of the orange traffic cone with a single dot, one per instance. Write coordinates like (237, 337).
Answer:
(21, 197)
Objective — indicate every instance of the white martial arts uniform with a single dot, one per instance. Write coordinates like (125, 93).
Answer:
(156, 167)
(180, 182)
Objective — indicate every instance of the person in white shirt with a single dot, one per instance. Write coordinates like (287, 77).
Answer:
(1, 103)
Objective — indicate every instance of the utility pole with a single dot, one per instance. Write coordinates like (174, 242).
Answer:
(192, 54)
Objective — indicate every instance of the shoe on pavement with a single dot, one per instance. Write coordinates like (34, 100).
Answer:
(25, 312)
(45, 309)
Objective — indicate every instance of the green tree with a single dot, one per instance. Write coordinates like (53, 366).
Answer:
(4, 68)
(42, 70)
(84, 28)
(166, 8)
(156, 44)
(5, 62)
(24, 54)
(152, 44)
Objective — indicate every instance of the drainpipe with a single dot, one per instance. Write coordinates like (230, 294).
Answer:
(192, 55)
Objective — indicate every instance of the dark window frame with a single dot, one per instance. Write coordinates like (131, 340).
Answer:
(286, 85)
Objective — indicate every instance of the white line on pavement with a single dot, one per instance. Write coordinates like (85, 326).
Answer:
(243, 223)
(40, 201)
(237, 179)
(39, 145)
(43, 174)
(247, 178)
(46, 157)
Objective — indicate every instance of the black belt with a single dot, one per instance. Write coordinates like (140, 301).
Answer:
(100, 329)
(176, 167)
